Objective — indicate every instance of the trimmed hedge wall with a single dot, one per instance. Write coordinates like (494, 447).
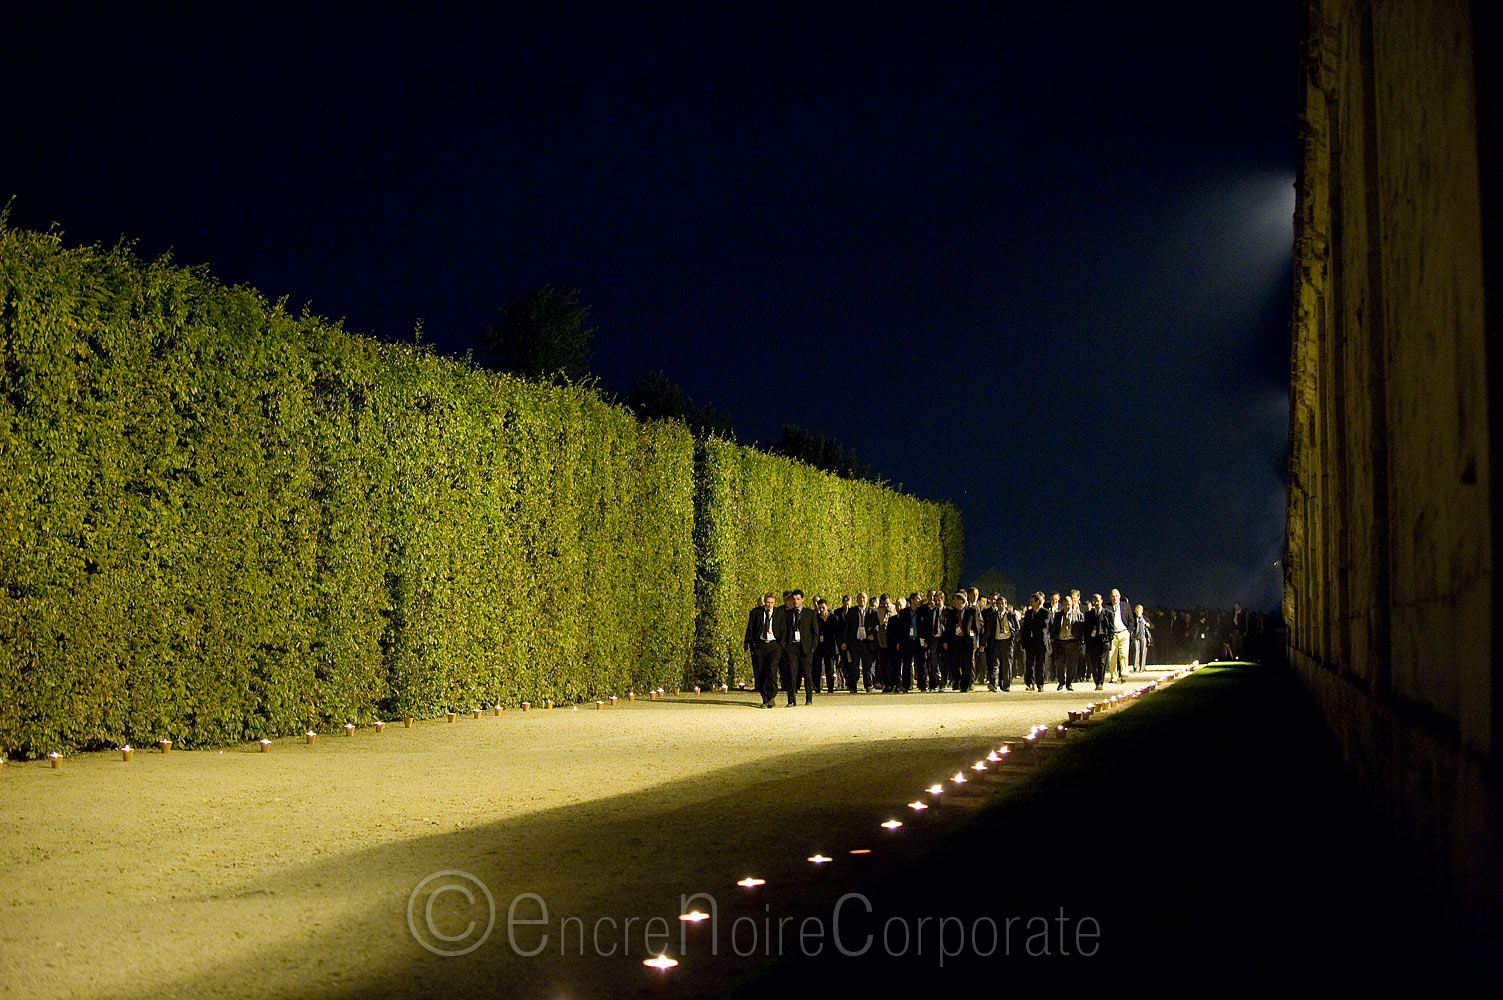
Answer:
(767, 523)
(220, 521)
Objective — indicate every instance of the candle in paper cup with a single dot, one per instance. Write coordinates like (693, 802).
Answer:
(57, 760)
(599, 705)
(631, 696)
(453, 716)
(613, 699)
(265, 745)
(166, 745)
(547, 702)
(126, 751)
(379, 726)
(498, 708)
(476, 711)
(526, 705)
(407, 722)
(349, 729)
(312, 737)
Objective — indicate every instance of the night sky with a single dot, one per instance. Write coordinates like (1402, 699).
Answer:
(1033, 261)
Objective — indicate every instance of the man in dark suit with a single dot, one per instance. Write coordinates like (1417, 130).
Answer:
(962, 629)
(1065, 627)
(933, 626)
(1034, 640)
(766, 651)
(860, 643)
(1098, 636)
(999, 626)
(910, 650)
(799, 636)
(842, 659)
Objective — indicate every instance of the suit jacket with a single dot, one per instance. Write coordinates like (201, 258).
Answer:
(853, 616)
(1098, 626)
(754, 631)
(931, 622)
(808, 630)
(1063, 615)
(1035, 628)
(1128, 618)
(968, 621)
(989, 624)
(897, 628)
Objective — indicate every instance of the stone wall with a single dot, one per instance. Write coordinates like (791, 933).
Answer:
(1388, 571)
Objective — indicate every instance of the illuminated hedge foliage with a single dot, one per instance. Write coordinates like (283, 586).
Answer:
(767, 523)
(220, 521)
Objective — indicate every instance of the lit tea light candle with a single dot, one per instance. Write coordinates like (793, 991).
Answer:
(1003, 751)
(959, 778)
(166, 745)
(573, 708)
(631, 696)
(662, 962)
(918, 806)
(125, 752)
(696, 689)
(861, 850)
(613, 700)
(820, 859)
(379, 726)
(980, 765)
(311, 736)
(693, 917)
(751, 883)
(265, 745)
(891, 824)
(497, 707)
(935, 789)
(547, 702)
(57, 760)
(476, 711)
(349, 729)
(725, 689)
(526, 705)
(993, 757)
(599, 705)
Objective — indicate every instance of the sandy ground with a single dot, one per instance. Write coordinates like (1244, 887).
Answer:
(295, 873)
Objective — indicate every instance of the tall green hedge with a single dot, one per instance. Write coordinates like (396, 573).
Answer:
(220, 521)
(767, 523)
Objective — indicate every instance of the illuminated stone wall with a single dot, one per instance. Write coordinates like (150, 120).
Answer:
(1388, 572)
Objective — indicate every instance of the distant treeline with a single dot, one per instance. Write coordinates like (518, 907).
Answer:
(220, 520)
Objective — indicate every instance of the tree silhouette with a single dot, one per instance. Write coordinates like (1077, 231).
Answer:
(822, 452)
(542, 335)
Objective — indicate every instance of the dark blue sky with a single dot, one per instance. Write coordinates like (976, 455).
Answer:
(1036, 262)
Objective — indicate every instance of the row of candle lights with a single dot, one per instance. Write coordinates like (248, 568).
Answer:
(996, 756)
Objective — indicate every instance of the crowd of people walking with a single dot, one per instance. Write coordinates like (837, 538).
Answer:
(925, 643)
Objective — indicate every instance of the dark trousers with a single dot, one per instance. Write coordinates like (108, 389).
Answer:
(907, 653)
(934, 665)
(962, 656)
(863, 658)
(1096, 660)
(825, 658)
(798, 672)
(766, 656)
(1066, 661)
(999, 663)
(1033, 666)
(887, 666)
